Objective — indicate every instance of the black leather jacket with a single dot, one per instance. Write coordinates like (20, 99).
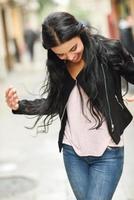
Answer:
(117, 115)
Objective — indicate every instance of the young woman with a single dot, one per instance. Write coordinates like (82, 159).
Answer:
(84, 89)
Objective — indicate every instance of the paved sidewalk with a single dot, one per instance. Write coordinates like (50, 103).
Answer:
(37, 157)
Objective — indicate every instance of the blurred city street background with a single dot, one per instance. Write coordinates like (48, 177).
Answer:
(31, 167)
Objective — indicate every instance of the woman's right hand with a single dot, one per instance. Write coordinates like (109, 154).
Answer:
(12, 98)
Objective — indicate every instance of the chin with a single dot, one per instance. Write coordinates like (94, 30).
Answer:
(78, 60)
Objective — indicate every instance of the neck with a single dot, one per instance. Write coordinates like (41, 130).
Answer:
(71, 64)
(75, 68)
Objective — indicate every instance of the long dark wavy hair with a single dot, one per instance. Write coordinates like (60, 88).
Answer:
(58, 28)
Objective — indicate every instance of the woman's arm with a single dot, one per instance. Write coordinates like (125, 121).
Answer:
(123, 62)
(27, 107)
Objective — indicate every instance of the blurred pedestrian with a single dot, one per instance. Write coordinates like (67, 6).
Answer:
(83, 88)
(126, 33)
(16, 50)
(126, 36)
(30, 37)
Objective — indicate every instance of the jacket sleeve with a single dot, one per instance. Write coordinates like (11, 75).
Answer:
(124, 63)
(35, 107)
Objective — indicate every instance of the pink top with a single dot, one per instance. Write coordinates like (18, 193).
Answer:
(78, 132)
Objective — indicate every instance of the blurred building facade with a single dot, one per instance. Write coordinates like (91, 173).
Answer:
(120, 9)
(14, 15)
(105, 14)
(11, 29)
(93, 11)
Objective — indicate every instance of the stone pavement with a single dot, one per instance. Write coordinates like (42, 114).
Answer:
(36, 157)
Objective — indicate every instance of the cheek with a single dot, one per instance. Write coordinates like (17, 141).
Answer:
(80, 49)
(61, 57)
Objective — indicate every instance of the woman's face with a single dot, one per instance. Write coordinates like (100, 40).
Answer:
(72, 50)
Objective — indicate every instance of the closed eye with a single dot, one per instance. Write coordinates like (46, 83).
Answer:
(73, 48)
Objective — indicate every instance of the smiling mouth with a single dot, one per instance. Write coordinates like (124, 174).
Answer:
(77, 58)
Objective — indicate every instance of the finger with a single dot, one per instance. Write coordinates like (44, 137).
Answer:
(16, 107)
(15, 96)
(11, 92)
(13, 105)
(11, 101)
(7, 91)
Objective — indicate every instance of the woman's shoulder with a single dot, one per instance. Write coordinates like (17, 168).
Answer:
(107, 45)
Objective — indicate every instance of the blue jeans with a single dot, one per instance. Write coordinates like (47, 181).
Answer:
(94, 178)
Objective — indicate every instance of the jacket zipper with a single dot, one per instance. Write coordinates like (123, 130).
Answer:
(107, 98)
(119, 102)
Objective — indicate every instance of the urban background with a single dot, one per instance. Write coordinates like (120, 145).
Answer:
(31, 167)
